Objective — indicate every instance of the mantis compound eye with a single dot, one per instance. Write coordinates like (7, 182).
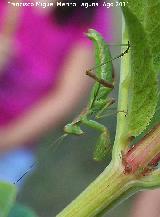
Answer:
(73, 129)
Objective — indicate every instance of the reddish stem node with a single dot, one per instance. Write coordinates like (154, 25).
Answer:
(144, 156)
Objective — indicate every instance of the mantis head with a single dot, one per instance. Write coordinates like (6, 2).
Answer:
(73, 129)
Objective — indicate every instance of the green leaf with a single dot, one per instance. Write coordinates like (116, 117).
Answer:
(155, 121)
(7, 198)
(148, 14)
(156, 117)
(137, 8)
(21, 211)
(152, 26)
(143, 87)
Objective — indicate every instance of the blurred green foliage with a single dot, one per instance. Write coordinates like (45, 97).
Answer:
(7, 198)
(21, 211)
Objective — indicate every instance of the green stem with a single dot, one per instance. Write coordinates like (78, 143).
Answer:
(122, 139)
(109, 187)
(122, 177)
(102, 193)
(119, 181)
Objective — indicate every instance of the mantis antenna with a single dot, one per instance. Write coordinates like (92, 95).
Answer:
(57, 141)
(120, 55)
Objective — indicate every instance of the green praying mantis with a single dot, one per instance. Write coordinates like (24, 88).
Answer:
(99, 100)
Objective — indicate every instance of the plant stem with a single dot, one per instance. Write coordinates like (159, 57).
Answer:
(117, 183)
(122, 139)
(112, 183)
(124, 176)
(102, 193)
(146, 152)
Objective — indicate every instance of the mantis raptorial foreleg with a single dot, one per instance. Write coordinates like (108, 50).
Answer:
(103, 144)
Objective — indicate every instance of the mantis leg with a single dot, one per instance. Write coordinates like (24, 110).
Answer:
(111, 114)
(103, 144)
(100, 80)
(108, 104)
